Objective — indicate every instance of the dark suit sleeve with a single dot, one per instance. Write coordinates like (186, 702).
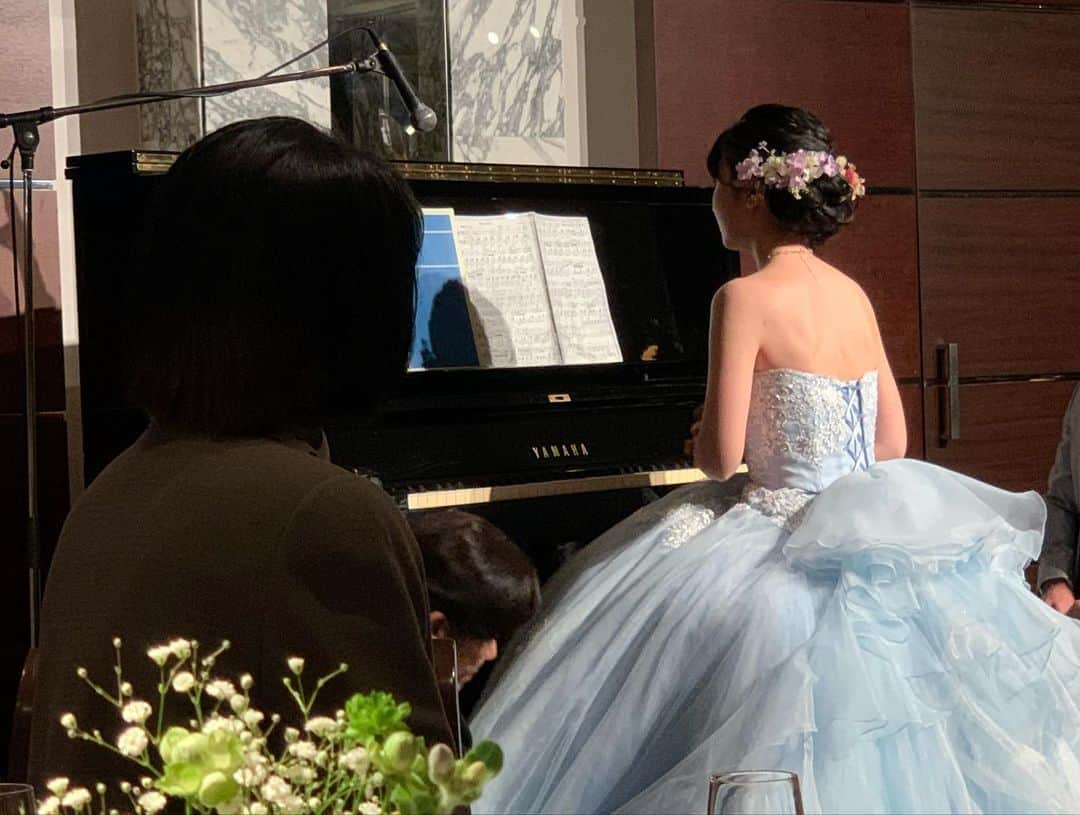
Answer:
(355, 594)
(1058, 556)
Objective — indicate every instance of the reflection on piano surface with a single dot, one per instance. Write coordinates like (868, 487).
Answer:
(459, 433)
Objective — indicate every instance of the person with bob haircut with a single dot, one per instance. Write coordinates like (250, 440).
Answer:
(275, 294)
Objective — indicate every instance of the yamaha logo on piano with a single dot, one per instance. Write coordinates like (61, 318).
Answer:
(575, 450)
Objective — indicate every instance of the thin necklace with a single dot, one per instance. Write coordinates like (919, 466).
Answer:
(790, 250)
(801, 251)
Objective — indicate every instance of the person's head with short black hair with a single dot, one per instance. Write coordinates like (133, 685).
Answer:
(481, 586)
(277, 288)
(818, 213)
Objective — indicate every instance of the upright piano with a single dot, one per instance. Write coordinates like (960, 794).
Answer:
(554, 454)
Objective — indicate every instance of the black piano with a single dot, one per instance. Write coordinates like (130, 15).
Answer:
(553, 454)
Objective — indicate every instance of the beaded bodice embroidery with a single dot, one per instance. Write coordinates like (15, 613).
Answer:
(803, 432)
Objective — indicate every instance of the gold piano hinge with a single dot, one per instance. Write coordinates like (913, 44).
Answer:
(558, 398)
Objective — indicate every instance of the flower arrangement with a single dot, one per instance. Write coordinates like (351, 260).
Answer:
(229, 758)
(795, 171)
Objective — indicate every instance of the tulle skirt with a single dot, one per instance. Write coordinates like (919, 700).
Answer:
(882, 643)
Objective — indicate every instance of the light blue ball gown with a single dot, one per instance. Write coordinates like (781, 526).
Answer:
(865, 625)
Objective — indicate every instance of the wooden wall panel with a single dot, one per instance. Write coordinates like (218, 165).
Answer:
(849, 63)
(1001, 276)
(995, 98)
(880, 250)
(1008, 431)
(50, 363)
(27, 74)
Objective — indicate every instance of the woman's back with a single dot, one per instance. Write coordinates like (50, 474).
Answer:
(816, 319)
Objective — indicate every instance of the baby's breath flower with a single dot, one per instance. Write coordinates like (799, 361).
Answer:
(301, 774)
(220, 689)
(81, 672)
(246, 682)
(126, 689)
(303, 750)
(258, 808)
(100, 788)
(252, 717)
(152, 802)
(355, 760)
(296, 665)
(158, 654)
(77, 798)
(68, 721)
(136, 711)
(116, 642)
(228, 724)
(321, 725)
(50, 806)
(183, 682)
(238, 703)
(368, 808)
(180, 648)
(276, 789)
(291, 734)
(125, 787)
(58, 786)
(132, 742)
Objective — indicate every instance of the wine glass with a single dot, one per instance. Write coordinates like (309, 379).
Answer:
(17, 799)
(754, 792)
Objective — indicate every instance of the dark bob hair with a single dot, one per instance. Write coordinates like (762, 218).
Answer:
(277, 286)
(484, 584)
(825, 206)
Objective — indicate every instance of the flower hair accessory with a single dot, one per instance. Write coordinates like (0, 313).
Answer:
(794, 172)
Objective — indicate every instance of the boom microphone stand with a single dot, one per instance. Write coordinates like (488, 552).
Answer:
(25, 125)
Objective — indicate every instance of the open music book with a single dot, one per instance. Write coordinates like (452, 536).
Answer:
(533, 288)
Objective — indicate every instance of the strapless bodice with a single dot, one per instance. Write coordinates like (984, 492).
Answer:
(806, 430)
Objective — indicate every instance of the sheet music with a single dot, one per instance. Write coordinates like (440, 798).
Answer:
(501, 267)
(575, 286)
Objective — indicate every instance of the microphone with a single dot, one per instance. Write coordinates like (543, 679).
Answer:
(423, 118)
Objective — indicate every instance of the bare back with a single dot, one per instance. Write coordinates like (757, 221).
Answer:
(815, 319)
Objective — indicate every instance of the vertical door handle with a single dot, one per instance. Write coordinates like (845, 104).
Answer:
(949, 365)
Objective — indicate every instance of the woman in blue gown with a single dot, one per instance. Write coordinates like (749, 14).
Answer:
(853, 616)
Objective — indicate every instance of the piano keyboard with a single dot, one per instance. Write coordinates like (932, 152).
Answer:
(435, 499)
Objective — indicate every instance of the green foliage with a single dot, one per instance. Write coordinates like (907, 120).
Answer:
(375, 715)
